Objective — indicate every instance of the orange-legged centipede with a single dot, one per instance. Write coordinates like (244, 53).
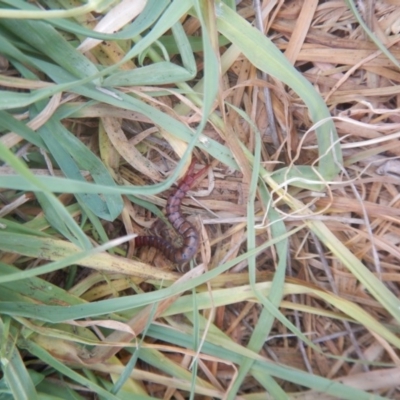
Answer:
(190, 236)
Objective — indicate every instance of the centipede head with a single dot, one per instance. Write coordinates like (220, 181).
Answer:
(191, 177)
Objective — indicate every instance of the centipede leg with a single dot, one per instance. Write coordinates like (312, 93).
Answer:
(182, 226)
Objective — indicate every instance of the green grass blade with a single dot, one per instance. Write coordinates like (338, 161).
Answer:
(15, 374)
(68, 254)
(266, 318)
(77, 236)
(63, 369)
(234, 353)
(36, 289)
(44, 38)
(154, 74)
(211, 66)
(375, 286)
(145, 19)
(10, 123)
(163, 72)
(373, 37)
(167, 123)
(267, 57)
(73, 156)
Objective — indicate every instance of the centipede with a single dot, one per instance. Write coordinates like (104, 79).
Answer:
(190, 236)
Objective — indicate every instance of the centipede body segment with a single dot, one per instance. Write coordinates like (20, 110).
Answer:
(182, 226)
